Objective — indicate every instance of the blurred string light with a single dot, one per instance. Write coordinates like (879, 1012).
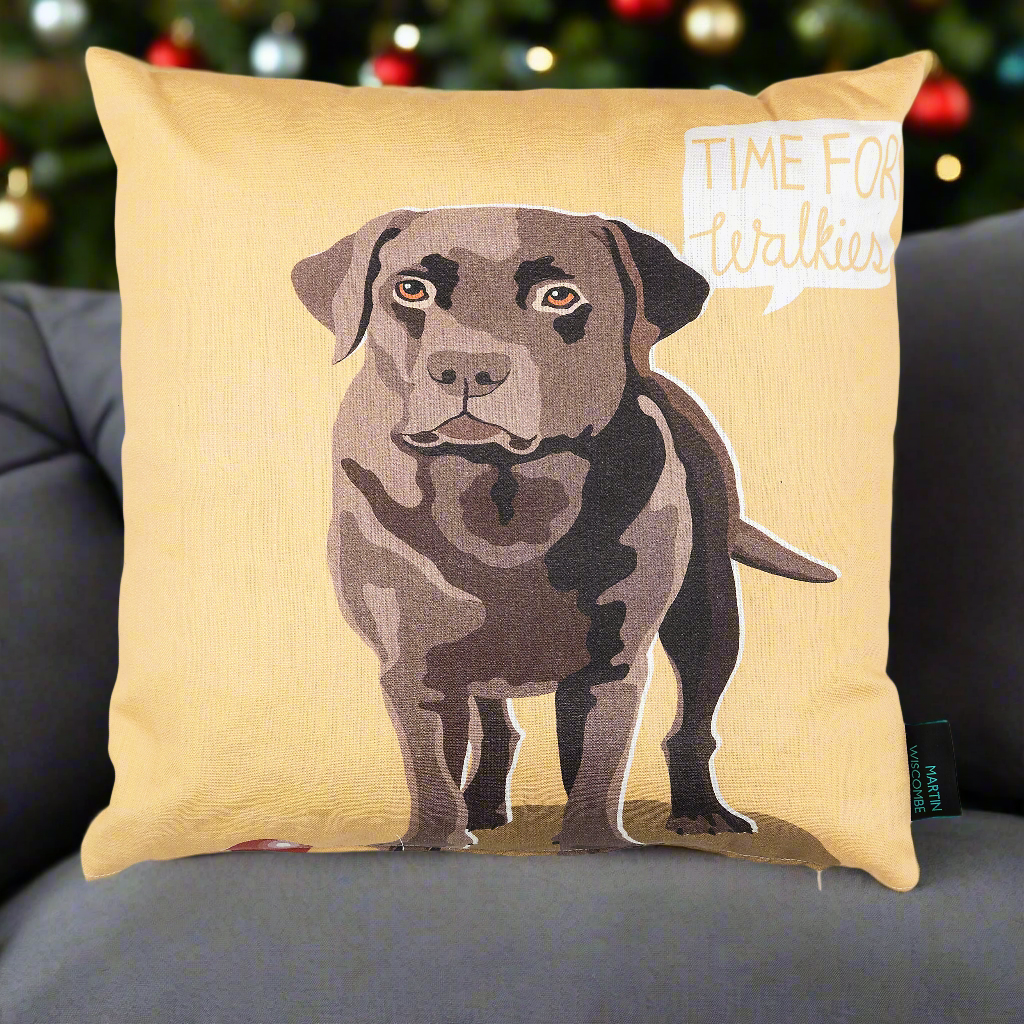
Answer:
(407, 37)
(1010, 69)
(540, 59)
(948, 167)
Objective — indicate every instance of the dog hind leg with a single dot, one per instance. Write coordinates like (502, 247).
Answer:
(701, 635)
(486, 793)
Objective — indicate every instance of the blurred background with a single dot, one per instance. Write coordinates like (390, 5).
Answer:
(964, 136)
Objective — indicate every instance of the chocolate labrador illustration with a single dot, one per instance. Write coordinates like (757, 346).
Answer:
(522, 506)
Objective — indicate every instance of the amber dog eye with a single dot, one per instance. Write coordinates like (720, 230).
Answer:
(561, 297)
(411, 290)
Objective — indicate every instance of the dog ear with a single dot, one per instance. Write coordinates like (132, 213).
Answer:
(673, 292)
(336, 285)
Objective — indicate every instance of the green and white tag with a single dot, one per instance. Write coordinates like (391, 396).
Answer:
(933, 788)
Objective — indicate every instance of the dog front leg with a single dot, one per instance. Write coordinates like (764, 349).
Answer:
(437, 817)
(596, 712)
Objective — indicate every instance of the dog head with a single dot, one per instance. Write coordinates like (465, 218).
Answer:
(499, 324)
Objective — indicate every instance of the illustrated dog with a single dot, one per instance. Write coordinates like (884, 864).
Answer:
(522, 505)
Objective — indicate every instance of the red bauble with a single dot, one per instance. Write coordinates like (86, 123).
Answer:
(166, 53)
(6, 149)
(641, 10)
(393, 67)
(942, 105)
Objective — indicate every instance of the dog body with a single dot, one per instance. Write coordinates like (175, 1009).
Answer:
(522, 505)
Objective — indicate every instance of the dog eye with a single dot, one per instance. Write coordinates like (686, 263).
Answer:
(411, 290)
(560, 297)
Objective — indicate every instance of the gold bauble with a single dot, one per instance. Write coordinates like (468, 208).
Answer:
(24, 215)
(713, 26)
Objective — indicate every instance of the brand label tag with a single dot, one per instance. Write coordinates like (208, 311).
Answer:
(933, 788)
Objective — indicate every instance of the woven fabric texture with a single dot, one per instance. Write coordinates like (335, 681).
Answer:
(506, 472)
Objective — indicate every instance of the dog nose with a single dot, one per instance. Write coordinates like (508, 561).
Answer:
(472, 373)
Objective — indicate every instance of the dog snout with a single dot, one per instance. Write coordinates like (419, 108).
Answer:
(471, 373)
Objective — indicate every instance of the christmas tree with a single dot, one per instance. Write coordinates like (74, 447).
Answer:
(964, 136)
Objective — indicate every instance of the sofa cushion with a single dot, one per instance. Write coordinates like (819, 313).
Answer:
(60, 566)
(956, 647)
(652, 935)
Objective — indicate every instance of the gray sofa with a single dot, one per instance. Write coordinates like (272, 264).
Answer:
(647, 936)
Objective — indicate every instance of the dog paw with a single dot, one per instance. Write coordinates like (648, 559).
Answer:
(707, 823)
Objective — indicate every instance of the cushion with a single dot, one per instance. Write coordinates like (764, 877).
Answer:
(60, 566)
(492, 582)
(956, 646)
(651, 935)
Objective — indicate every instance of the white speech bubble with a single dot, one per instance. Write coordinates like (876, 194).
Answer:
(792, 204)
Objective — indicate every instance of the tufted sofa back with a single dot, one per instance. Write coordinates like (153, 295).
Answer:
(61, 425)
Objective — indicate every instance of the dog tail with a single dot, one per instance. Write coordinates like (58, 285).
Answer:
(752, 546)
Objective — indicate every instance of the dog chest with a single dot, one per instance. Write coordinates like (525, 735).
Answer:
(505, 515)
